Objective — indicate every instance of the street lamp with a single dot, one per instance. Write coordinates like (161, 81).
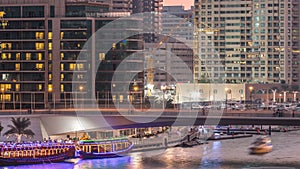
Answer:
(50, 90)
(251, 89)
(81, 89)
(280, 99)
(65, 99)
(163, 89)
(228, 91)
(136, 89)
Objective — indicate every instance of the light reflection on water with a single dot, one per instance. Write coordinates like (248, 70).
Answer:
(225, 154)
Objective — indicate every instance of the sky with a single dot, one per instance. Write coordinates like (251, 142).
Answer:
(186, 3)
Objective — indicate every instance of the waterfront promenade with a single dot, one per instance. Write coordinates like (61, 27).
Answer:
(57, 121)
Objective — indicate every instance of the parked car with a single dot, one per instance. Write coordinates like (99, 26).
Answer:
(271, 106)
(297, 108)
(196, 106)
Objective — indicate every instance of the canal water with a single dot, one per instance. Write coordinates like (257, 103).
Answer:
(225, 154)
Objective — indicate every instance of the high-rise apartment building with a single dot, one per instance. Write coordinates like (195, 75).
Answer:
(154, 20)
(172, 56)
(241, 41)
(179, 23)
(41, 42)
(118, 5)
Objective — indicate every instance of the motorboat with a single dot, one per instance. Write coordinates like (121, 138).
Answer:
(105, 148)
(33, 153)
(261, 145)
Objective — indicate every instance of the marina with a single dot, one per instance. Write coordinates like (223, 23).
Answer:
(221, 154)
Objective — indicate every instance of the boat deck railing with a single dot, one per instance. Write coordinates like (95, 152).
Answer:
(164, 140)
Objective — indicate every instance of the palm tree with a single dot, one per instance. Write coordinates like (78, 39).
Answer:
(19, 128)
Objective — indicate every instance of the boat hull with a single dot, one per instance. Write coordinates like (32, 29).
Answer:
(31, 160)
(261, 150)
(13, 161)
(104, 149)
(84, 155)
(87, 155)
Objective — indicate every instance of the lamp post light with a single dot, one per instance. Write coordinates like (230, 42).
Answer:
(251, 96)
(50, 91)
(163, 89)
(65, 99)
(274, 95)
(280, 99)
(82, 100)
(226, 92)
(135, 89)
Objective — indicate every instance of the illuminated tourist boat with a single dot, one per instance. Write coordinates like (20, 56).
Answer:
(262, 145)
(17, 154)
(106, 148)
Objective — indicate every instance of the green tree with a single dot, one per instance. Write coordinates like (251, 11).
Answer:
(19, 128)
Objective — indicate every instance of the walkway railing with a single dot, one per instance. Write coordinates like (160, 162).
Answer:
(153, 112)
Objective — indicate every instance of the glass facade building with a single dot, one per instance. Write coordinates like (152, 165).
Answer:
(40, 46)
(247, 41)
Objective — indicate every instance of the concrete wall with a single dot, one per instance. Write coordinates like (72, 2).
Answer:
(189, 92)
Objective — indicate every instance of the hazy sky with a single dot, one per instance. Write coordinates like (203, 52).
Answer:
(186, 3)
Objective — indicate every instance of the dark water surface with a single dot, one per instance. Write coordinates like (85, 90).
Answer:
(225, 154)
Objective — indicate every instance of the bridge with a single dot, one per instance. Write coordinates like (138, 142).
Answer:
(68, 120)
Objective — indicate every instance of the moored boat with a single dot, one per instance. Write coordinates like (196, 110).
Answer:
(262, 145)
(18, 154)
(106, 148)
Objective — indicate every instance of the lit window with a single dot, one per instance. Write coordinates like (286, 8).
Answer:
(18, 56)
(17, 66)
(101, 56)
(50, 46)
(28, 56)
(80, 66)
(49, 35)
(5, 87)
(62, 88)
(121, 97)
(61, 35)
(6, 45)
(40, 87)
(50, 88)
(40, 56)
(39, 66)
(62, 76)
(72, 66)
(5, 77)
(17, 87)
(62, 67)
(50, 56)
(40, 46)
(62, 55)
(39, 35)
(50, 77)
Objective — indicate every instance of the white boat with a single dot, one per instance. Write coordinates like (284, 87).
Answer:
(261, 145)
